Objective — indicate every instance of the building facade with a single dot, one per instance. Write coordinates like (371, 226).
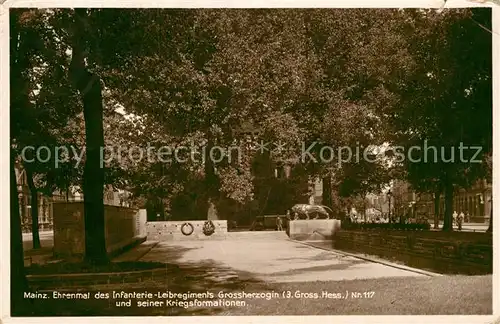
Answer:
(475, 202)
(45, 219)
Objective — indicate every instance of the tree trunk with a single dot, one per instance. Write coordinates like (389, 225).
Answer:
(211, 191)
(18, 283)
(18, 100)
(93, 177)
(490, 227)
(348, 210)
(90, 89)
(437, 195)
(34, 210)
(364, 209)
(327, 191)
(448, 208)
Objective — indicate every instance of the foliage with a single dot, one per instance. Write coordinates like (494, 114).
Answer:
(41, 113)
(446, 102)
(197, 76)
(387, 226)
(448, 99)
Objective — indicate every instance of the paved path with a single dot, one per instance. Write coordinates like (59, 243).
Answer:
(270, 257)
(467, 227)
(472, 227)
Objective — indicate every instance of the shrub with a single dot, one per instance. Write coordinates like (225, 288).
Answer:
(388, 226)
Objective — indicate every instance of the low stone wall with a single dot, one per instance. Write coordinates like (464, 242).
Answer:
(450, 253)
(124, 227)
(312, 229)
(171, 230)
(50, 282)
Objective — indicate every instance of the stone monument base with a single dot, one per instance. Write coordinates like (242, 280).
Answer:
(172, 230)
(124, 228)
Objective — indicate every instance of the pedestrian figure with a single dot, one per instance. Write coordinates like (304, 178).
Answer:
(467, 217)
(279, 223)
(455, 216)
(462, 216)
(459, 221)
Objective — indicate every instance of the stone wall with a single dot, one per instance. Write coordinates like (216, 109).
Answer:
(69, 229)
(457, 252)
(123, 227)
(171, 230)
(123, 224)
(312, 229)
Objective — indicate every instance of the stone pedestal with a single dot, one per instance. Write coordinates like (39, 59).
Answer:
(172, 231)
(123, 227)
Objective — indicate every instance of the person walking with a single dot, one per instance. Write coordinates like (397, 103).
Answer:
(279, 223)
(462, 216)
(460, 219)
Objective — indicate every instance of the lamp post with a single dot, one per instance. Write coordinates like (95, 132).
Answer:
(490, 226)
(389, 196)
(413, 203)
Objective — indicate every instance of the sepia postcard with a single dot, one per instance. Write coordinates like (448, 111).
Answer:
(254, 162)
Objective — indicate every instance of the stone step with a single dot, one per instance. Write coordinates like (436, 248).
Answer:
(257, 235)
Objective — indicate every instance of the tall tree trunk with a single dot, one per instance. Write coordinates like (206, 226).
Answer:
(327, 191)
(162, 210)
(34, 209)
(18, 283)
(93, 177)
(210, 179)
(364, 208)
(448, 208)
(90, 89)
(348, 208)
(437, 200)
(490, 227)
(18, 100)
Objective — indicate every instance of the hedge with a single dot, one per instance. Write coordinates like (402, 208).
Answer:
(389, 226)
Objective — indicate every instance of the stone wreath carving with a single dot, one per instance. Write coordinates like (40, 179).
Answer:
(187, 229)
(208, 228)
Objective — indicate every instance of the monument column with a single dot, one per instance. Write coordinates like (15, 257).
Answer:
(212, 211)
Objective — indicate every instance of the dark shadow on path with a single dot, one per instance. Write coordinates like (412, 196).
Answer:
(329, 267)
(181, 278)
